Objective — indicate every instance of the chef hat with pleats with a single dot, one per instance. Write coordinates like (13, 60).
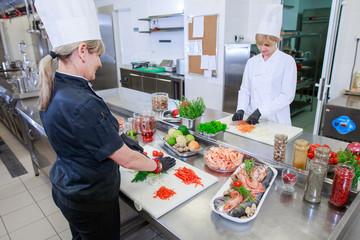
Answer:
(69, 21)
(271, 21)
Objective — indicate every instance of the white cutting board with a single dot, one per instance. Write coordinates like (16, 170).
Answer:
(264, 131)
(142, 192)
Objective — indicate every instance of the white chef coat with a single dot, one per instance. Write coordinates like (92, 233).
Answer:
(269, 86)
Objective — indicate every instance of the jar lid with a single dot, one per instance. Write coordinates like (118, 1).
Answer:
(302, 142)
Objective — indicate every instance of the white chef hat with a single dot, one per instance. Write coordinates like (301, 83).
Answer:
(271, 21)
(69, 21)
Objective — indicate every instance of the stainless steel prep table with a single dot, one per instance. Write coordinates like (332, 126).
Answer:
(281, 216)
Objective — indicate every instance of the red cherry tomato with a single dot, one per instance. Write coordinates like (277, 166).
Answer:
(335, 160)
(325, 145)
(317, 145)
(311, 155)
(145, 153)
(161, 154)
(155, 153)
(237, 183)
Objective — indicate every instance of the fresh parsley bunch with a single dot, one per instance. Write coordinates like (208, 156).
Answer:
(212, 127)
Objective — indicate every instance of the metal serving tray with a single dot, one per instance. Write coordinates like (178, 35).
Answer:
(183, 154)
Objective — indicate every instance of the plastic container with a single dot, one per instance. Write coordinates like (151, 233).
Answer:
(280, 142)
(139, 118)
(301, 147)
(315, 180)
(160, 101)
(344, 174)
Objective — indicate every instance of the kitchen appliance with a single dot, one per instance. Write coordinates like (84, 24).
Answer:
(139, 64)
(236, 56)
(170, 69)
(342, 118)
(180, 66)
(106, 76)
(166, 63)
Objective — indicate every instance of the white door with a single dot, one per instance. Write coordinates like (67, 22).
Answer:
(324, 82)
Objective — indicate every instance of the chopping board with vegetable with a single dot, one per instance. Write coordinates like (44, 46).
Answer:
(263, 132)
(160, 193)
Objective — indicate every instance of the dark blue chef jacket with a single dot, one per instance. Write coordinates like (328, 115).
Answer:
(83, 133)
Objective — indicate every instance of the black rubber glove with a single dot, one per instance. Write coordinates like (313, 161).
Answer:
(131, 143)
(166, 162)
(239, 115)
(254, 117)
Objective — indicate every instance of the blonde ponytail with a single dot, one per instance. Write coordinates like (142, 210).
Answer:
(46, 81)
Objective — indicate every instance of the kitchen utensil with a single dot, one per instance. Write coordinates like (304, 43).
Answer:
(264, 131)
(289, 178)
(166, 63)
(226, 187)
(180, 66)
(181, 154)
(238, 122)
(143, 192)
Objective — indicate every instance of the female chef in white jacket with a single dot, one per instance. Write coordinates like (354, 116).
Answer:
(269, 81)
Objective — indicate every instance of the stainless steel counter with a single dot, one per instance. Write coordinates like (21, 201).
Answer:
(282, 216)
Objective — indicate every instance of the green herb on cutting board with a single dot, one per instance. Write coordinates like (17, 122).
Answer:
(348, 157)
(249, 165)
(212, 127)
(141, 176)
(191, 109)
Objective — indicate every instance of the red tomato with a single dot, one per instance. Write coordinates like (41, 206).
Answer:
(161, 154)
(145, 153)
(325, 145)
(175, 113)
(311, 155)
(335, 160)
(155, 153)
(357, 157)
(317, 145)
(237, 183)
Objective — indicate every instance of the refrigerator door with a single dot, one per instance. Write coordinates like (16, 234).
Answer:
(106, 76)
(236, 56)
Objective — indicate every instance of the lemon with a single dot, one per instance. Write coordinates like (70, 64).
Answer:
(177, 133)
(171, 141)
(189, 138)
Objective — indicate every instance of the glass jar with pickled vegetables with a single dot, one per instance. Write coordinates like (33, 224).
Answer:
(300, 153)
(344, 174)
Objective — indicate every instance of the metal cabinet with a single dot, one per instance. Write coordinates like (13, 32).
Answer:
(149, 83)
(166, 85)
(125, 78)
(42, 154)
(136, 81)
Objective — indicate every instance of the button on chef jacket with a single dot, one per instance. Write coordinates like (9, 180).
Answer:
(83, 133)
(269, 86)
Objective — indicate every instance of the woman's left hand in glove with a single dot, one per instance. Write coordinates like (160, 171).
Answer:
(131, 143)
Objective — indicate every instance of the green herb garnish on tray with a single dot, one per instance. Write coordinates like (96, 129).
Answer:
(191, 109)
(245, 193)
(212, 127)
(249, 165)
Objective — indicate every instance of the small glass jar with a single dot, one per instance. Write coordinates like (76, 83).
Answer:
(160, 101)
(139, 118)
(344, 174)
(315, 180)
(280, 142)
(323, 154)
(300, 153)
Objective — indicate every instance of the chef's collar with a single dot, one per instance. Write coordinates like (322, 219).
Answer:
(271, 58)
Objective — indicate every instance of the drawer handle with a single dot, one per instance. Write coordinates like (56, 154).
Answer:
(31, 134)
(164, 80)
(135, 75)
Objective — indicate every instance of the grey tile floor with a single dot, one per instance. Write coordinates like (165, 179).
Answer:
(305, 119)
(27, 210)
